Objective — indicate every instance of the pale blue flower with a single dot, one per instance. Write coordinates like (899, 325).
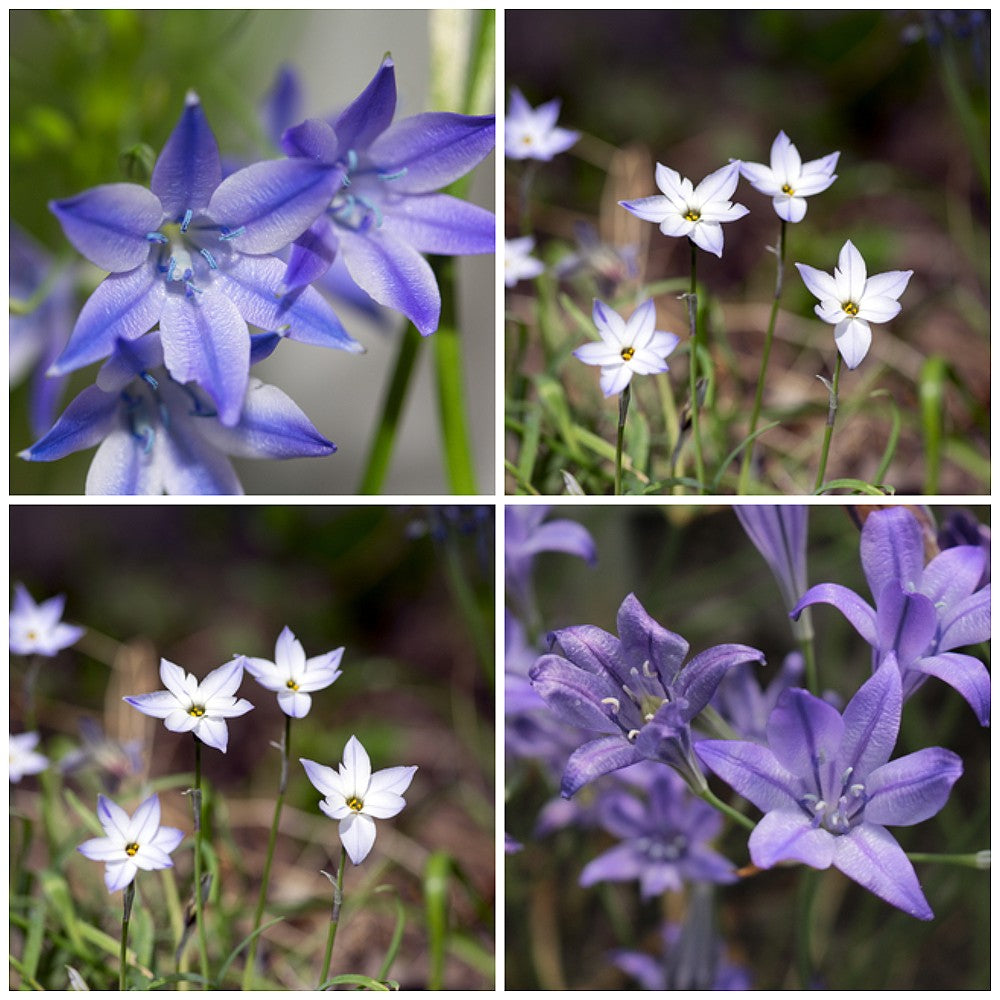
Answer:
(788, 181)
(532, 133)
(39, 628)
(293, 675)
(24, 758)
(518, 263)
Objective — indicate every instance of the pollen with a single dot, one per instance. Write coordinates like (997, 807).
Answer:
(628, 353)
(196, 711)
(355, 804)
(850, 308)
(291, 685)
(787, 189)
(692, 215)
(132, 850)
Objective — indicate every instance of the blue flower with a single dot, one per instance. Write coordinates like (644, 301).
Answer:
(385, 210)
(828, 789)
(193, 253)
(922, 613)
(636, 690)
(157, 436)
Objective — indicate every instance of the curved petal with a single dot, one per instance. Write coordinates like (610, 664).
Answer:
(271, 203)
(966, 622)
(213, 733)
(852, 273)
(145, 821)
(912, 788)
(906, 623)
(186, 461)
(818, 282)
(391, 779)
(122, 306)
(358, 766)
(708, 236)
(394, 275)
(103, 849)
(577, 696)
(108, 224)
(718, 185)
(645, 641)
(439, 223)
(701, 676)
(158, 704)
(870, 855)
(614, 378)
(600, 756)
(370, 113)
(84, 423)
(113, 818)
(312, 254)
(427, 151)
(205, 340)
(853, 338)
(753, 771)
(892, 549)
(952, 576)
(655, 208)
(891, 284)
(784, 835)
(790, 209)
(295, 704)
(223, 681)
(871, 720)
(878, 308)
(597, 353)
(761, 177)
(326, 780)
(858, 612)
(621, 863)
(119, 874)
(188, 169)
(313, 139)
(383, 804)
(357, 834)
(966, 675)
(804, 734)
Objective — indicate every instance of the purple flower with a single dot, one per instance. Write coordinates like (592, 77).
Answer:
(157, 436)
(921, 612)
(24, 758)
(385, 211)
(39, 628)
(531, 133)
(193, 253)
(664, 838)
(636, 690)
(828, 789)
(746, 704)
(962, 528)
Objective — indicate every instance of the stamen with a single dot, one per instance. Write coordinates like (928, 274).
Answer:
(632, 734)
(132, 849)
(157, 238)
(227, 235)
(355, 803)
(207, 254)
(196, 711)
(291, 685)
(787, 189)
(614, 703)
(352, 162)
(394, 176)
(146, 377)
(171, 268)
(647, 669)
(186, 221)
(850, 308)
(692, 215)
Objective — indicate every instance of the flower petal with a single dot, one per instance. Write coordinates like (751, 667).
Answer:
(391, 779)
(370, 113)
(892, 550)
(158, 704)
(577, 696)
(108, 224)
(358, 767)
(966, 675)
(439, 223)
(952, 576)
(213, 733)
(188, 169)
(852, 273)
(103, 849)
(818, 282)
(890, 284)
(853, 338)
(598, 353)
(655, 208)
(222, 682)
(871, 720)
(84, 423)
(912, 788)
(906, 622)
(145, 822)
(600, 756)
(113, 818)
(708, 236)
(325, 779)
(783, 835)
(357, 834)
(804, 734)
(383, 805)
(966, 622)
(119, 874)
(701, 676)
(753, 771)
(295, 704)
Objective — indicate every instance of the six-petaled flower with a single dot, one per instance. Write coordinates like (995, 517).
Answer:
(23, 757)
(789, 181)
(38, 628)
(518, 262)
(531, 133)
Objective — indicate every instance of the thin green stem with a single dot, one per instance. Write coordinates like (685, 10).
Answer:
(713, 800)
(338, 899)
(380, 454)
(768, 341)
(128, 897)
(808, 883)
(286, 743)
(692, 303)
(831, 417)
(623, 401)
(196, 804)
(979, 859)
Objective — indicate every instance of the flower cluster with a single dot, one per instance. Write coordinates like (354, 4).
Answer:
(199, 259)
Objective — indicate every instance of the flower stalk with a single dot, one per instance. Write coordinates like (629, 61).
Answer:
(623, 401)
(196, 805)
(831, 416)
(128, 897)
(338, 899)
(692, 304)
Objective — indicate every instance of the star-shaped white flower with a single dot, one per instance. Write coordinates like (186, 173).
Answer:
(850, 300)
(686, 210)
(131, 842)
(518, 262)
(627, 347)
(789, 181)
(357, 797)
(36, 628)
(189, 707)
(24, 759)
(532, 133)
(292, 675)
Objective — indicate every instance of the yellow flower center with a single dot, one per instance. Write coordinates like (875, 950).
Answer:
(787, 189)
(196, 711)
(850, 308)
(355, 803)
(291, 685)
(131, 850)
(628, 353)
(692, 215)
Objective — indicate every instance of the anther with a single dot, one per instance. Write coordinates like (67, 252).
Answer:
(614, 704)
(186, 221)
(227, 235)
(394, 176)
(207, 254)
(632, 734)
(132, 849)
(646, 667)
(157, 238)
(355, 803)
(146, 377)
(692, 215)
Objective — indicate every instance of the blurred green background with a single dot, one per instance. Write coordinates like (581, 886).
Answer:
(408, 591)
(697, 573)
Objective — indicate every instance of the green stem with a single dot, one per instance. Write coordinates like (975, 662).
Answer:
(831, 417)
(768, 341)
(127, 899)
(623, 401)
(979, 859)
(384, 440)
(808, 883)
(338, 899)
(196, 804)
(713, 800)
(692, 301)
(286, 743)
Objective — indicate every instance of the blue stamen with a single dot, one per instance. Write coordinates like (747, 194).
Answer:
(171, 268)
(191, 287)
(395, 176)
(200, 409)
(372, 207)
(186, 221)
(146, 377)
(157, 238)
(207, 254)
(227, 235)
(352, 161)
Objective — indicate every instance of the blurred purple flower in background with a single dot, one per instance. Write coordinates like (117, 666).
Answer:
(828, 790)
(532, 133)
(746, 705)
(38, 628)
(922, 613)
(23, 757)
(518, 263)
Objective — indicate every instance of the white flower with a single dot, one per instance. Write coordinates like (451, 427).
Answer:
(357, 797)
(23, 758)
(187, 706)
(292, 675)
(131, 842)
(532, 133)
(686, 210)
(36, 628)
(627, 348)
(850, 300)
(788, 180)
(518, 262)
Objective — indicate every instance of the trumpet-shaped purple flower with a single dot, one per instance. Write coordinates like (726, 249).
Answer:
(190, 706)
(157, 436)
(357, 797)
(746, 705)
(788, 181)
(531, 133)
(695, 212)
(828, 789)
(293, 675)
(193, 253)
(664, 838)
(518, 262)
(385, 210)
(24, 758)
(922, 613)
(131, 842)
(636, 690)
(627, 347)
(850, 300)
(961, 528)
(39, 628)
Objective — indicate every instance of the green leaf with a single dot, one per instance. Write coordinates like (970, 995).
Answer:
(397, 933)
(437, 877)
(356, 979)
(933, 375)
